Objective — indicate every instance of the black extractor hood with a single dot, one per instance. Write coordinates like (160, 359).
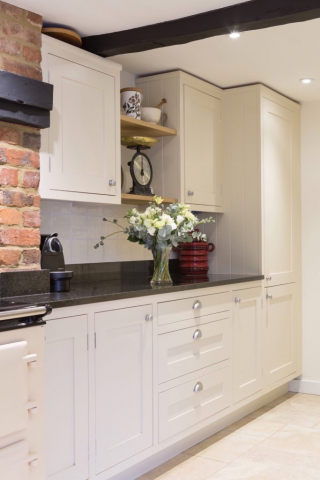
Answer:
(25, 101)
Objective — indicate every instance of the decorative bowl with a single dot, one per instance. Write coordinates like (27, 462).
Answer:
(151, 114)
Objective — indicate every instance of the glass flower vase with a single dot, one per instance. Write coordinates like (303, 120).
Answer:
(161, 274)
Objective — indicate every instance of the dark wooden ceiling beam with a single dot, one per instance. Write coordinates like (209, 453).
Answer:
(251, 15)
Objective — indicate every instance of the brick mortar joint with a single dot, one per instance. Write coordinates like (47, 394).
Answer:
(20, 168)
(20, 189)
(21, 59)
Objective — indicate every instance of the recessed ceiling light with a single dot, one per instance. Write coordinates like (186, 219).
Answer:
(234, 35)
(306, 80)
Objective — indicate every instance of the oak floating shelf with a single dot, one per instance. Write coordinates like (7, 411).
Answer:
(142, 199)
(131, 126)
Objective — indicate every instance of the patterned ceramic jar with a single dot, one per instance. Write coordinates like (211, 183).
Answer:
(131, 99)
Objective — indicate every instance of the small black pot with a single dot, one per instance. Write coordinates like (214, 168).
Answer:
(60, 281)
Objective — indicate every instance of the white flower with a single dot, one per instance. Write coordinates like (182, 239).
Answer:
(151, 230)
(147, 223)
(159, 224)
(133, 220)
(180, 219)
(168, 221)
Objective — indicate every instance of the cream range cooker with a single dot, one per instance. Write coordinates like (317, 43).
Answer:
(22, 432)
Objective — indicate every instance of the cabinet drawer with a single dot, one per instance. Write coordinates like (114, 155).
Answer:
(190, 349)
(192, 307)
(183, 406)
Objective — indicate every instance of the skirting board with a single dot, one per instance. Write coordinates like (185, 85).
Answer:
(305, 386)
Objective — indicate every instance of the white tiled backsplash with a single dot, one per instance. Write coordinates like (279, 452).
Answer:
(80, 226)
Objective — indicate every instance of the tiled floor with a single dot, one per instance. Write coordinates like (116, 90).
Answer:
(281, 441)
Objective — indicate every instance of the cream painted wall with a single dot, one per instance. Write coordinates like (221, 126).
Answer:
(311, 244)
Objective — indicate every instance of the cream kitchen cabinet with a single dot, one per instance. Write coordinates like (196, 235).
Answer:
(132, 382)
(281, 332)
(123, 384)
(67, 398)
(80, 152)
(262, 178)
(281, 191)
(247, 330)
(189, 165)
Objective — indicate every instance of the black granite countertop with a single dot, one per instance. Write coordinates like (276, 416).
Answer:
(127, 286)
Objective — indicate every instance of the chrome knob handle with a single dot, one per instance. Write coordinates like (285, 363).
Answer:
(197, 334)
(198, 387)
(197, 304)
(269, 297)
(112, 183)
(268, 277)
(190, 193)
(237, 300)
(149, 318)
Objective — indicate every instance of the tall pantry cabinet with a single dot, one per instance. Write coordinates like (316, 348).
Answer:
(261, 228)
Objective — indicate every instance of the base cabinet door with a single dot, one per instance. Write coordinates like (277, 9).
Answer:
(280, 333)
(247, 343)
(123, 384)
(66, 363)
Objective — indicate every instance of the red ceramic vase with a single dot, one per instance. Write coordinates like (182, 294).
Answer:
(193, 257)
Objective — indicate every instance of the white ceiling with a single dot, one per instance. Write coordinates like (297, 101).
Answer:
(91, 17)
(277, 57)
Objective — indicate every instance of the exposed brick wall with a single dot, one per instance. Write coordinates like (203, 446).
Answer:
(20, 52)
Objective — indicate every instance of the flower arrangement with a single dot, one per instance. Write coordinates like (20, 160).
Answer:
(158, 229)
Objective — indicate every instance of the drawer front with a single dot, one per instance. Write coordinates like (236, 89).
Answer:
(185, 351)
(188, 404)
(192, 307)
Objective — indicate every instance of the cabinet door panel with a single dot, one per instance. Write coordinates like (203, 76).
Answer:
(202, 143)
(14, 462)
(14, 382)
(123, 366)
(82, 132)
(281, 166)
(67, 399)
(247, 343)
(280, 335)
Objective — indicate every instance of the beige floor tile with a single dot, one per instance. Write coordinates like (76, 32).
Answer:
(263, 463)
(225, 446)
(296, 440)
(256, 427)
(294, 413)
(306, 401)
(184, 467)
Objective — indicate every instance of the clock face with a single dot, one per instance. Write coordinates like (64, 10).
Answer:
(142, 169)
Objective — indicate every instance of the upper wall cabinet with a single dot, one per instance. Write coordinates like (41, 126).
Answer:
(281, 191)
(188, 166)
(261, 228)
(80, 152)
